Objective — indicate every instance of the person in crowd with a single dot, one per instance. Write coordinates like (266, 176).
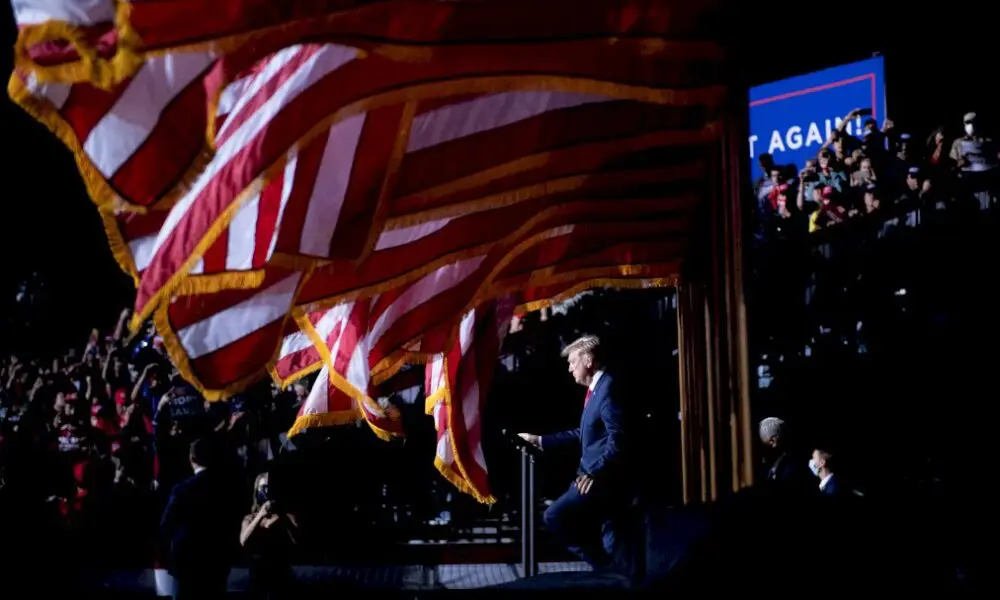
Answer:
(598, 492)
(864, 175)
(954, 172)
(872, 199)
(831, 174)
(200, 525)
(783, 472)
(822, 464)
(771, 174)
(874, 142)
(269, 535)
(914, 188)
(905, 158)
(978, 160)
(826, 208)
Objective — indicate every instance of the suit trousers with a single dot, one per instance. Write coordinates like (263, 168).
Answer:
(583, 522)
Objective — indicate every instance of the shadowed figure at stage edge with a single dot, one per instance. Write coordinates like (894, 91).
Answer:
(582, 517)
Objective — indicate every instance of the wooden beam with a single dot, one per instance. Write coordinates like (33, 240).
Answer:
(717, 444)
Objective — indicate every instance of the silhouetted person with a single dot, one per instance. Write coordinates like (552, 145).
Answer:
(785, 472)
(269, 536)
(201, 525)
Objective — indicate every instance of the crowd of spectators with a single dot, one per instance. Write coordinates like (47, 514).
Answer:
(869, 332)
(881, 171)
(92, 440)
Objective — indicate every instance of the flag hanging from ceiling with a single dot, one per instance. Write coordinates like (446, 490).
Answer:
(457, 385)
(257, 163)
(106, 41)
(341, 393)
(309, 91)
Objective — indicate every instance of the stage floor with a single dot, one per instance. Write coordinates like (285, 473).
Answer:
(409, 577)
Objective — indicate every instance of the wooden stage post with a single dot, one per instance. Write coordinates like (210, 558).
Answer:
(717, 444)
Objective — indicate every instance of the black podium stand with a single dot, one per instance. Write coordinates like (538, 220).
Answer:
(529, 560)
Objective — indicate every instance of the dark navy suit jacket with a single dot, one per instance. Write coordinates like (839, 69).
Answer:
(833, 487)
(600, 434)
(201, 524)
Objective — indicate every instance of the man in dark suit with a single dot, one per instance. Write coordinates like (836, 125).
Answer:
(201, 526)
(580, 514)
(785, 472)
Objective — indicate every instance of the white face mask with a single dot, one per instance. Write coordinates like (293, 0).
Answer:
(969, 128)
(813, 467)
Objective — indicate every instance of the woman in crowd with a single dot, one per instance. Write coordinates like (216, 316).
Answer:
(269, 535)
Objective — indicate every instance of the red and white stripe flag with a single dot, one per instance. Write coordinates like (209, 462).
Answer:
(137, 141)
(105, 40)
(457, 386)
(299, 354)
(289, 99)
(68, 40)
(341, 393)
(220, 341)
(217, 340)
(136, 145)
(278, 215)
(414, 170)
(253, 141)
(275, 212)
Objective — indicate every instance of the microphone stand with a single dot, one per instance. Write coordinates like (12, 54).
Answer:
(529, 562)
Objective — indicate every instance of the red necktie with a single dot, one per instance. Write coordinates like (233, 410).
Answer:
(587, 399)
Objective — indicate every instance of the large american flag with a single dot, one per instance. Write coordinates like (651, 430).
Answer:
(403, 168)
(457, 385)
(341, 338)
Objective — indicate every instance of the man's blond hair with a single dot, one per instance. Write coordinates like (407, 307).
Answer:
(587, 344)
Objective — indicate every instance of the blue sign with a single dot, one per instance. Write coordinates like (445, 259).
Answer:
(792, 119)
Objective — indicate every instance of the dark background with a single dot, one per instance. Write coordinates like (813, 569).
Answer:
(49, 225)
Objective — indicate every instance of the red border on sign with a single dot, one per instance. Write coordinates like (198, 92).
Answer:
(826, 86)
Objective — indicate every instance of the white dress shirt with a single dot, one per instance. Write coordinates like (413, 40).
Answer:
(594, 380)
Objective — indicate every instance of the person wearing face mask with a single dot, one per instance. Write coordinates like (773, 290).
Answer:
(973, 152)
(269, 535)
(822, 466)
(977, 159)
